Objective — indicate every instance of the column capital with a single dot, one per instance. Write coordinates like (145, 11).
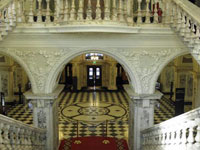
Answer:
(142, 96)
(50, 96)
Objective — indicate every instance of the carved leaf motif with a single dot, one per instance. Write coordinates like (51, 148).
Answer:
(46, 59)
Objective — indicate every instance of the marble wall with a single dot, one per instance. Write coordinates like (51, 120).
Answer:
(183, 72)
(11, 75)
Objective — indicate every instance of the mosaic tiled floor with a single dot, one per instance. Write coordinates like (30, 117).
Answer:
(92, 110)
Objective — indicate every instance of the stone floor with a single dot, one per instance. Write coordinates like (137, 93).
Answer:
(97, 113)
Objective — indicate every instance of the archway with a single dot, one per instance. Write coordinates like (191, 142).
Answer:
(52, 79)
(14, 82)
(101, 111)
(179, 82)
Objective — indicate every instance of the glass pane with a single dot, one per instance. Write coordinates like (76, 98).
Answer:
(90, 71)
(97, 71)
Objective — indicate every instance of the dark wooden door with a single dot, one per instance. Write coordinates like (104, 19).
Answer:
(94, 75)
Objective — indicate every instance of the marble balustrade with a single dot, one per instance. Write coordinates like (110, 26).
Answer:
(19, 136)
(181, 132)
(183, 17)
(87, 11)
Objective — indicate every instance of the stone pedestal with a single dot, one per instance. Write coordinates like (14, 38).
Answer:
(141, 115)
(45, 115)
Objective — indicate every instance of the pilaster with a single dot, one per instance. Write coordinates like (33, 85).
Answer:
(141, 115)
(45, 115)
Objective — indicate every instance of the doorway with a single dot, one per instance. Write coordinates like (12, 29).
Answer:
(94, 76)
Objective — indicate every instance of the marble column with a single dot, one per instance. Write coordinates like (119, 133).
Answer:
(197, 95)
(141, 115)
(45, 115)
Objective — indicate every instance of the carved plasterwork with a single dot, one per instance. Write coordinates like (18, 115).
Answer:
(141, 63)
(44, 64)
(42, 119)
(146, 63)
(40, 62)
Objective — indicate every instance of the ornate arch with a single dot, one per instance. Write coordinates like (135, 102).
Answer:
(73, 52)
(172, 56)
(22, 63)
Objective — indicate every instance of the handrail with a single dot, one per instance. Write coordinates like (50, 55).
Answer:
(179, 132)
(190, 8)
(5, 119)
(5, 3)
(17, 135)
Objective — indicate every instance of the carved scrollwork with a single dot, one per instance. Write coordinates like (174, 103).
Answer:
(40, 62)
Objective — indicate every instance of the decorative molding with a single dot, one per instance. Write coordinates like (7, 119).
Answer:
(147, 63)
(40, 62)
(42, 119)
(44, 64)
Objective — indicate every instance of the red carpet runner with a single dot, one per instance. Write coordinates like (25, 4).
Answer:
(93, 143)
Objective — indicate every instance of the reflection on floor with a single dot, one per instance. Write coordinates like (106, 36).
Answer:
(92, 110)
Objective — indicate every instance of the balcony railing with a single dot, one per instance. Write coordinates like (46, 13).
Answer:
(179, 133)
(17, 135)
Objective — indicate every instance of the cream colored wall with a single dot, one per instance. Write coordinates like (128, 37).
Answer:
(183, 75)
(11, 75)
(108, 66)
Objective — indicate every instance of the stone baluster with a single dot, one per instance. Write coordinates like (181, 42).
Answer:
(106, 10)
(160, 138)
(56, 11)
(155, 20)
(39, 13)
(187, 29)
(125, 10)
(48, 12)
(1, 136)
(190, 138)
(192, 33)
(30, 15)
(163, 138)
(98, 10)
(147, 20)
(12, 137)
(114, 10)
(80, 10)
(120, 11)
(179, 19)
(168, 134)
(175, 17)
(72, 11)
(6, 20)
(17, 139)
(20, 14)
(144, 141)
(178, 137)
(9, 16)
(139, 12)
(183, 24)
(66, 10)
(184, 137)
(30, 138)
(22, 138)
(14, 13)
(197, 137)
(172, 14)
(197, 40)
(89, 11)
(166, 12)
(6, 136)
